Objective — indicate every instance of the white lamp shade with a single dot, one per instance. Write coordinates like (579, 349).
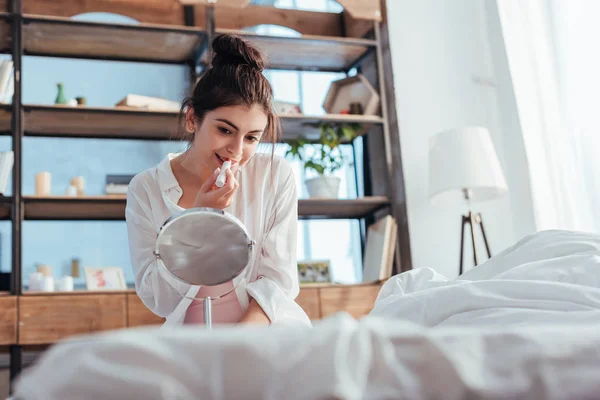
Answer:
(461, 159)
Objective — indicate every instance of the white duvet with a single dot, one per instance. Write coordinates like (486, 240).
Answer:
(525, 325)
(549, 277)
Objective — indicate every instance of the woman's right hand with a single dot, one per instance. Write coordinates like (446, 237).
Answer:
(212, 196)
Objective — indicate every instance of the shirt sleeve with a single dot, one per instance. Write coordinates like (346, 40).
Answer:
(158, 291)
(277, 284)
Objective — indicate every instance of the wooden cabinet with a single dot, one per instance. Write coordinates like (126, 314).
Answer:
(45, 319)
(8, 320)
(322, 301)
(357, 300)
(309, 300)
(138, 314)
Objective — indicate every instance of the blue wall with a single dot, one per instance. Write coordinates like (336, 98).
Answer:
(103, 84)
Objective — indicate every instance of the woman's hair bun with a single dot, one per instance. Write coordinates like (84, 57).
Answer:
(233, 50)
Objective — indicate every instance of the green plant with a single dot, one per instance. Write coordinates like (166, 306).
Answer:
(324, 155)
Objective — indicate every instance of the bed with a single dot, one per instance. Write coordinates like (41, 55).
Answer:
(525, 324)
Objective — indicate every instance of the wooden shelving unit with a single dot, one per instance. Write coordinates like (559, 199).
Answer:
(171, 33)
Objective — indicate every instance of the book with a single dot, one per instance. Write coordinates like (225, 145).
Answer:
(379, 250)
(149, 103)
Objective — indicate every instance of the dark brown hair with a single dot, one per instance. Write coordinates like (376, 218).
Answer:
(234, 78)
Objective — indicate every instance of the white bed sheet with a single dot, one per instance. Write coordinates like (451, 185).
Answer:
(524, 325)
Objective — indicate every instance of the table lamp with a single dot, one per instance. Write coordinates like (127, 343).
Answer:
(463, 169)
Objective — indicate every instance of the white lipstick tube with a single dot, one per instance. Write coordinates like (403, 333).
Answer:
(222, 175)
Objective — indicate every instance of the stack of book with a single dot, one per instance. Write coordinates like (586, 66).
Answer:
(117, 184)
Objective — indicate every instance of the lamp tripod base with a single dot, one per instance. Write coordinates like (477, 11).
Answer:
(472, 219)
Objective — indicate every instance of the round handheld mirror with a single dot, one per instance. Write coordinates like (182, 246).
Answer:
(204, 247)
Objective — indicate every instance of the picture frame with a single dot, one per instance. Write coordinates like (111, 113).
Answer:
(314, 271)
(104, 278)
(287, 108)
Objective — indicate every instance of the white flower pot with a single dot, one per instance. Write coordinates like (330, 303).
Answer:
(323, 187)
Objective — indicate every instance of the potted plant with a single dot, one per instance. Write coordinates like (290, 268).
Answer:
(323, 156)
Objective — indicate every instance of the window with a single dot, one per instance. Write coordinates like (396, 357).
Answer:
(335, 240)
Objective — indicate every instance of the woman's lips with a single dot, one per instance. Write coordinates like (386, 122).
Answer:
(221, 160)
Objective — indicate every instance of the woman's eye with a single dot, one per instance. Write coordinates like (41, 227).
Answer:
(224, 130)
(252, 138)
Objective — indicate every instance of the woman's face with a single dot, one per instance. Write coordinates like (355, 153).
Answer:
(227, 133)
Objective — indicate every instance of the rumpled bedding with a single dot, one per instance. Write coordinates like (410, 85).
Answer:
(524, 325)
(548, 277)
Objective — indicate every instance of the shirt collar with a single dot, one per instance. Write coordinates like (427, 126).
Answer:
(166, 178)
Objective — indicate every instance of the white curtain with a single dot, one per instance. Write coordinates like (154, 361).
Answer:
(537, 49)
(576, 32)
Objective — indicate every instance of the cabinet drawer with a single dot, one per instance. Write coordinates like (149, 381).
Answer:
(47, 319)
(138, 314)
(308, 299)
(8, 320)
(356, 300)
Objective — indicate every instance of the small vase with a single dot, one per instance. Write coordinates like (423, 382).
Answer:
(60, 97)
(325, 187)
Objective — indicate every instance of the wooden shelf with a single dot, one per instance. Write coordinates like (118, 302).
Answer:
(98, 122)
(91, 208)
(293, 125)
(55, 37)
(308, 52)
(5, 33)
(341, 208)
(5, 119)
(5, 207)
(131, 123)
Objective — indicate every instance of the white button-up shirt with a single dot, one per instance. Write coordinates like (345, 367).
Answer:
(267, 204)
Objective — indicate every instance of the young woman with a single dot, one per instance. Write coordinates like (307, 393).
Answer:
(227, 115)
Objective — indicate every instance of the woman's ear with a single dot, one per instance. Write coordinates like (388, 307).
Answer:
(190, 120)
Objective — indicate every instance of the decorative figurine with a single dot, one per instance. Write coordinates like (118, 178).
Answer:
(60, 97)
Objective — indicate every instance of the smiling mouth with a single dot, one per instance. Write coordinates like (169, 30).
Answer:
(222, 160)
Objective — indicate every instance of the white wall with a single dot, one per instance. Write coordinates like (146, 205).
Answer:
(440, 50)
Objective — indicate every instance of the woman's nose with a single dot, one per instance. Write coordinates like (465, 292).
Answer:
(236, 146)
